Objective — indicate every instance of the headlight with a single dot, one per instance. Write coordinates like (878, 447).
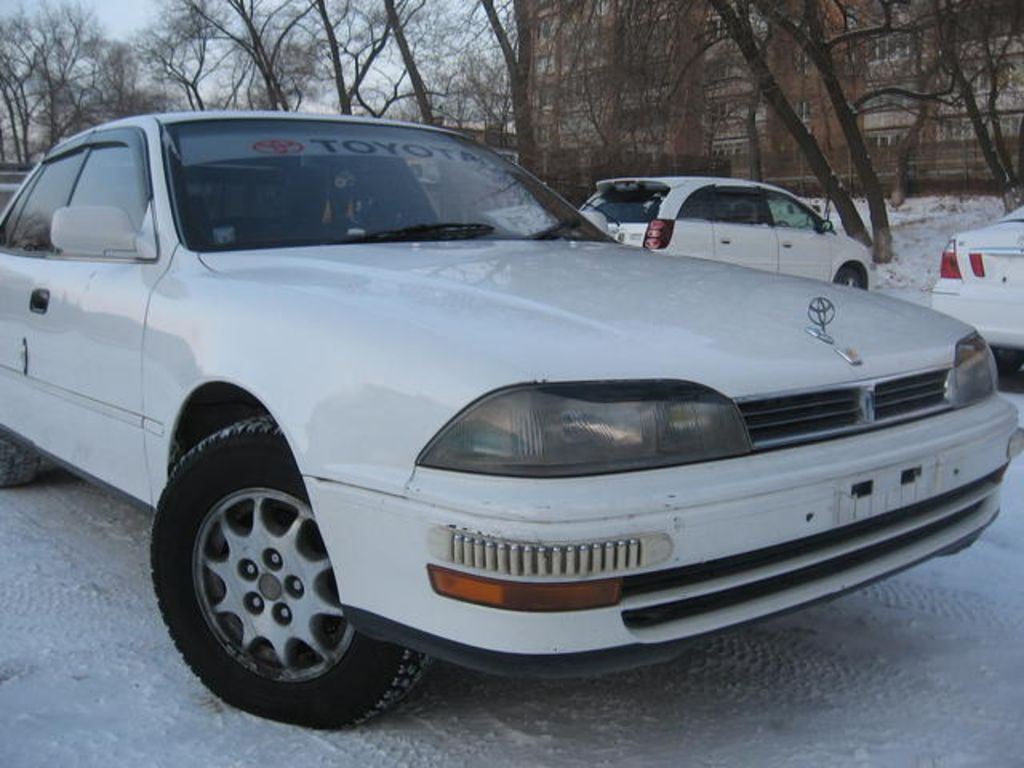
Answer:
(973, 377)
(587, 428)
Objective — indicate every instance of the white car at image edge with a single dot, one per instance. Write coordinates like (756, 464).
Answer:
(732, 220)
(390, 397)
(981, 281)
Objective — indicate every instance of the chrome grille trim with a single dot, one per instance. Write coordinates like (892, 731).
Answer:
(803, 416)
(910, 394)
(507, 557)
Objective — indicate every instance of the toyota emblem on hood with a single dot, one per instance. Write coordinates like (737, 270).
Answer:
(821, 312)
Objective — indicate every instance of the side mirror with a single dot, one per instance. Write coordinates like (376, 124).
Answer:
(94, 230)
(827, 226)
(596, 218)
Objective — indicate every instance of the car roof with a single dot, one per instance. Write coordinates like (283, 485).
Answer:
(685, 183)
(173, 118)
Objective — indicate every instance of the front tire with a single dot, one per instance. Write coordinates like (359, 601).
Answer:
(851, 275)
(248, 593)
(18, 465)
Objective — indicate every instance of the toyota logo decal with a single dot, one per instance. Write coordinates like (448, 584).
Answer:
(821, 312)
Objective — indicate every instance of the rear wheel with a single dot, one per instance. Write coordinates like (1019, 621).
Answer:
(18, 465)
(850, 275)
(248, 591)
(1008, 361)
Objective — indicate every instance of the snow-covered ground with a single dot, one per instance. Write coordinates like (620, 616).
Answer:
(924, 670)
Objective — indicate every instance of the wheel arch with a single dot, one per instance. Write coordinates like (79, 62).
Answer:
(209, 408)
(858, 267)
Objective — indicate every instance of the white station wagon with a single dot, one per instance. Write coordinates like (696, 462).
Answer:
(391, 397)
(740, 222)
(981, 281)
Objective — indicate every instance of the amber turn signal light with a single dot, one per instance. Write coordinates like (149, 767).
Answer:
(525, 596)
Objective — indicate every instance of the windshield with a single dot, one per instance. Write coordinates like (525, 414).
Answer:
(266, 183)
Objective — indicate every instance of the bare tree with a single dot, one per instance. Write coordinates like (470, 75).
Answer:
(399, 15)
(16, 73)
(735, 16)
(270, 37)
(65, 42)
(119, 87)
(356, 35)
(512, 30)
(631, 106)
(824, 40)
(181, 48)
(976, 41)
(472, 90)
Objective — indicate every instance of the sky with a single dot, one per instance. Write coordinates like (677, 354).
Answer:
(120, 18)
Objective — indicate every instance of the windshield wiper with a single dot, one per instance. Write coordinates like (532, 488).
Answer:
(440, 231)
(556, 230)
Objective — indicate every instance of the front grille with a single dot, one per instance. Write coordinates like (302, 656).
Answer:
(910, 394)
(777, 420)
(802, 417)
(691, 577)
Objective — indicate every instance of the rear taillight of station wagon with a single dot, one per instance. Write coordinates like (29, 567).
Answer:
(659, 233)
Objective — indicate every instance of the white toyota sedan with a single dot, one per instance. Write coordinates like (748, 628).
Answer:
(390, 397)
(740, 222)
(981, 281)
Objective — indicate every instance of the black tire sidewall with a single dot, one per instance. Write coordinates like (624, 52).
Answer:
(841, 275)
(346, 693)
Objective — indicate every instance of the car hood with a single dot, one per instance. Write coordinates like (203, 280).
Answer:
(498, 313)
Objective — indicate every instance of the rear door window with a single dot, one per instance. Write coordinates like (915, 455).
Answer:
(740, 206)
(700, 205)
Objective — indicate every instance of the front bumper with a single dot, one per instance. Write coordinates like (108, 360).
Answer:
(750, 537)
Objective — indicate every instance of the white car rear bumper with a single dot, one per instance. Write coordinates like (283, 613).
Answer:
(997, 313)
(750, 537)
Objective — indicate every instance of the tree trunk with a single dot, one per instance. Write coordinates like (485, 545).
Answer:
(14, 125)
(344, 101)
(946, 22)
(419, 89)
(518, 62)
(814, 44)
(1020, 149)
(742, 35)
(904, 151)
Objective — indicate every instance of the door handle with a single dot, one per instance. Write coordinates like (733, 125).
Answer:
(725, 241)
(787, 245)
(40, 301)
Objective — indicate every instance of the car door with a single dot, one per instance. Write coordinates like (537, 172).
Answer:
(804, 250)
(84, 326)
(743, 231)
(24, 244)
